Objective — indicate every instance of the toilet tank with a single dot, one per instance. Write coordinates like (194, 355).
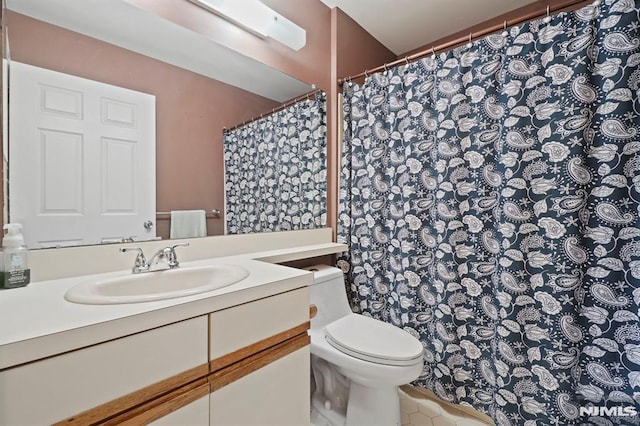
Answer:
(329, 294)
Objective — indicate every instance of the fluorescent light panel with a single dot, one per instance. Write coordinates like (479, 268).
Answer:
(258, 19)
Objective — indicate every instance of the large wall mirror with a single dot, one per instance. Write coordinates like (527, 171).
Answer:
(144, 77)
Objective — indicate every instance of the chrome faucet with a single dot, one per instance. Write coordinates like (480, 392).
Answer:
(141, 264)
(167, 254)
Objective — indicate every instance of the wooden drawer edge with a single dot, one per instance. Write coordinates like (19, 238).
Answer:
(117, 406)
(247, 351)
(160, 407)
(246, 366)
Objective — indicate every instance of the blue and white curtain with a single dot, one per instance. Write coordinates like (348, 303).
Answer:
(276, 170)
(490, 199)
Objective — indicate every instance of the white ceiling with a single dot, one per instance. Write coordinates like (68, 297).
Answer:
(404, 25)
(120, 23)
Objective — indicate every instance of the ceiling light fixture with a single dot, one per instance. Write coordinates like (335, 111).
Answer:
(258, 19)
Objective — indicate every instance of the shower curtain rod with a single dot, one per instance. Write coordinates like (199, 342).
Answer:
(466, 39)
(274, 110)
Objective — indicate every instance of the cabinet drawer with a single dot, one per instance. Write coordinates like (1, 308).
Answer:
(241, 326)
(56, 388)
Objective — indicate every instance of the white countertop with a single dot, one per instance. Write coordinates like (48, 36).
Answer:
(38, 322)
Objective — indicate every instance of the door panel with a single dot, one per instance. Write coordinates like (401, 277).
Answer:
(82, 159)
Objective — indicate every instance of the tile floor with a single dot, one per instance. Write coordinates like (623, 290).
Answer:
(418, 410)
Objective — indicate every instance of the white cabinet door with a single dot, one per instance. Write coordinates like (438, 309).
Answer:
(81, 158)
(193, 414)
(265, 387)
(55, 388)
(277, 394)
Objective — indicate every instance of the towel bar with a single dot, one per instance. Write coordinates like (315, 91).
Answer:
(215, 213)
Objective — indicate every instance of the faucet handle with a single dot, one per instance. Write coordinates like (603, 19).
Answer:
(172, 259)
(141, 264)
(180, 245)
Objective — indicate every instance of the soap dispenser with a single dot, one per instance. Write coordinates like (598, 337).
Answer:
(14, 266)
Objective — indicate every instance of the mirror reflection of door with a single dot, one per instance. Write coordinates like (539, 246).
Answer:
(84, 151)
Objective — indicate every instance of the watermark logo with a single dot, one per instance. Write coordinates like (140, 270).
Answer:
(618, 411)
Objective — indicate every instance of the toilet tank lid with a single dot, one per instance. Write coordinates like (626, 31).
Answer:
(322, 273)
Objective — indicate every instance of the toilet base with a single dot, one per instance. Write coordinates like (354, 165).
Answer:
(321, 415)
(373, 406)
(338, 401)
(367, 406)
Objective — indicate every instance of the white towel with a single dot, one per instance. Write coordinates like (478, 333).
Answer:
(188, 223)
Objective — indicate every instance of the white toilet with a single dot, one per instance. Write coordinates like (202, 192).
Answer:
(357, 362)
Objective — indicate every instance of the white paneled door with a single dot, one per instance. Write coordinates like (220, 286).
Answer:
(81, 159)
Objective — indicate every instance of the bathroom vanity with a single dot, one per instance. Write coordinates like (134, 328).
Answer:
(235, 355)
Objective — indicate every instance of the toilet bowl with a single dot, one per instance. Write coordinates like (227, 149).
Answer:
(357, 362)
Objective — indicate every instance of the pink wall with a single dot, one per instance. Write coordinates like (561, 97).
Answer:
(352, 50)
(191, 109)
(356, 49)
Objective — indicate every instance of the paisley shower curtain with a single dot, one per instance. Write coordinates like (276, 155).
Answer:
(490, 199)
(276, 170)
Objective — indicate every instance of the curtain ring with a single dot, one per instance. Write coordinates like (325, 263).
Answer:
(547, 18)
(469, 45)
(433, 52)
(406, 60)
(366, 74)
(385, 67)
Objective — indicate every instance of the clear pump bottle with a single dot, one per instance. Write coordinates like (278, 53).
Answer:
(14, 267)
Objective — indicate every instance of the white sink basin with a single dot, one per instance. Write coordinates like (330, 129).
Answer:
(159, 285)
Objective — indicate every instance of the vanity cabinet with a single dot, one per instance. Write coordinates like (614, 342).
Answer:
(247, 364)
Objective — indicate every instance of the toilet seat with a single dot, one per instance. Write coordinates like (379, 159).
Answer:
(371, 340)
